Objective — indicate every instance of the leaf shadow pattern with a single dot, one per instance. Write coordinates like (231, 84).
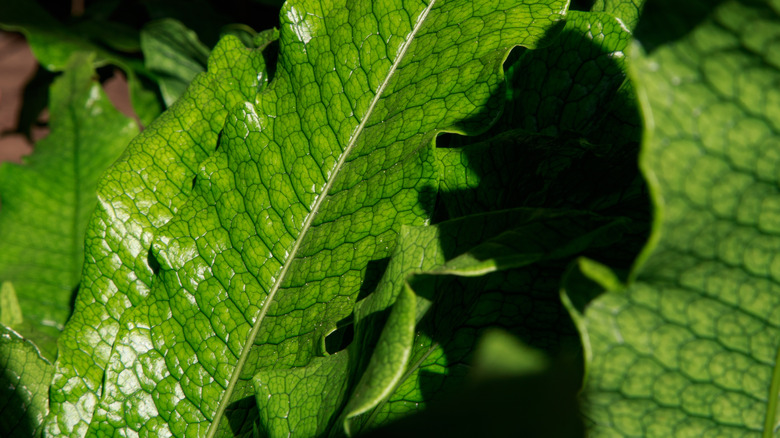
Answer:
(529, 158)
(567, 140)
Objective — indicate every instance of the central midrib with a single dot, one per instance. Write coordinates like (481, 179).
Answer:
(307, 225)
(774, 393)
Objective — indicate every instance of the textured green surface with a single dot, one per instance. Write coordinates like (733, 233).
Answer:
(174, 54)
(46, 203)
(568, 92)
(573, 92)
(10, 311)
(627, 11)
(133, 205)
(568, 87)
(53, 43)
(24, 386)
(490, 247)
(691, 347)
(310, 184)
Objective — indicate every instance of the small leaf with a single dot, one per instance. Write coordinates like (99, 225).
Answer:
(24, 386)
(174, 54)
(10, 312)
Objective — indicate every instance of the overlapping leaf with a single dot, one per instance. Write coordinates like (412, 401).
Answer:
(627, 11)
(311, 182)
(24, 386)
(566, 138)
(46, 203)
(512, 389)
(690, 348)
(175, 54)
(133, 205)
(466, 272)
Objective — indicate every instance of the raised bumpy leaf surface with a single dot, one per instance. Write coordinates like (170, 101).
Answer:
(47, 202)
(310, 184)
(133, 205)
(627, 11)
(690, 348)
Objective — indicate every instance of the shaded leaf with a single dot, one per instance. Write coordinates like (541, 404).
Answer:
(690, 346)
(461, 308)
(513, 390)
(24, 386)
(53, 43)
(174, 54)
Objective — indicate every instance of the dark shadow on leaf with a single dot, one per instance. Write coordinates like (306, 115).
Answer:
(540, 405)
(151, 260)
(73, 295)
(374, 272)
(340, 338)
(34, 99)
(14, 420)
(663, 21)
(242, 416)
(589, 163)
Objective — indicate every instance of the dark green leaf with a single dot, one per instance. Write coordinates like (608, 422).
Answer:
(174, 54)
(690, 346)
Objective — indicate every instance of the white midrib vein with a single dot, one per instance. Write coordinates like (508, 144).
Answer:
(307, 225)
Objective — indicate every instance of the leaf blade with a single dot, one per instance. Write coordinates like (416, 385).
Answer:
(698, 315)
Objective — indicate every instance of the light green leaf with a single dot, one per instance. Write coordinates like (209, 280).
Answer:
(24, 386)
(627, 11)
(174, 54)
(311, 183)
(10, 312)
(133, 205)
(47, 201)
(499, 355)
(690, 348)
(53, 43)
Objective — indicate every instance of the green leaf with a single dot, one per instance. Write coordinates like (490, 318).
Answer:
(53, 43)
(690, 347)
(627, 11)
(312, 181)
(511, 390)
(174, 54)
(46, 202)
(10, 312)
(133, 205)
(24, 386)
(499, 354)
(480, 285)
(305, 401)
(568, 86)
(572, 93)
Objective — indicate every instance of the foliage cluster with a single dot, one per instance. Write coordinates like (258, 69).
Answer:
(397, 218)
